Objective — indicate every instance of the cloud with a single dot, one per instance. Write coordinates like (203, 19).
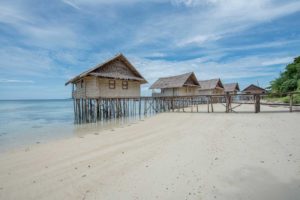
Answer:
(191, 3)
(214, 38)
(71, 3)
(11, 14)
(199, 40)
(15, 81)
(276, 61)
(20, 61)
(273, 44)
(202, 25)
(34, 30)
(111, 2)
(245, 70)
(245, 67)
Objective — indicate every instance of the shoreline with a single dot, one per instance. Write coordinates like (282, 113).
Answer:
(167, 156)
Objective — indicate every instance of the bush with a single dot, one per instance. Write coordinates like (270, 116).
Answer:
(288, 86)
(289, 80)
(286, 99)
(296, 98)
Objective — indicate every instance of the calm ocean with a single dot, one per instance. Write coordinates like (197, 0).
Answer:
(26, 122)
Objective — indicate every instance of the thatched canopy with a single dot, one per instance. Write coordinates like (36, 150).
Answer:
(254, 89)
(183, 80)
(117, 67)
(210, 84)
(231, 87)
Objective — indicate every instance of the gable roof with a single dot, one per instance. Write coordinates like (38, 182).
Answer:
(210, 84)
(187, 79)
(231, 87)
(99, 72)
(253, 87)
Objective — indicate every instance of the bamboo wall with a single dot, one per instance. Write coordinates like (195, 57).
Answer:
(182, 91)
(210, 91)
(94, 87)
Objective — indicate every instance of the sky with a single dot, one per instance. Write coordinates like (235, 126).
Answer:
(45, 43)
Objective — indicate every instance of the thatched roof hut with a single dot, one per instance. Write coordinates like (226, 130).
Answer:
(231, 88)
(254, 89)
(116, 77)
(212, 86)
(122, 69)
(180, 85)
(188, 79)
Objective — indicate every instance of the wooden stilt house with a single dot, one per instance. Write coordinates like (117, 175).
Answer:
(254, 89)
(211, 87)
(180, 85)
(231, 88)
(116, 77)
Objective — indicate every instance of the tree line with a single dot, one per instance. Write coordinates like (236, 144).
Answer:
(288, 80)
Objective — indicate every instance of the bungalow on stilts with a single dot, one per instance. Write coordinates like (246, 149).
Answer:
(108, 90)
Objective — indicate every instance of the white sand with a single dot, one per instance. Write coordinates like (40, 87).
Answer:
(169, 156)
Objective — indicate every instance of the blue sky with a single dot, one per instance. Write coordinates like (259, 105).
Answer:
(44, 43)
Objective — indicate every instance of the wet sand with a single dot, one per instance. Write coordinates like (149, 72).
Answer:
(168, 156)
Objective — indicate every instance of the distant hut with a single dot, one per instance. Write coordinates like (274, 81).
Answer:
(116, 77)
(180, 85)
(211, 87)
(231, 88)
(254, 89)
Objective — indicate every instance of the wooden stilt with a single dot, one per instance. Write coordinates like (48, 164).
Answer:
(211, 104)
(257, 103)
(291, 102)
(207, 104)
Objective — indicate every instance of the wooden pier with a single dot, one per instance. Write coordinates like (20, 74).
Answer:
(89, 110)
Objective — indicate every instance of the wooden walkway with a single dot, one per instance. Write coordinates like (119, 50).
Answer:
(89, 110)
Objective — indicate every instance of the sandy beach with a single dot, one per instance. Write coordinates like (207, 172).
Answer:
(167, 156)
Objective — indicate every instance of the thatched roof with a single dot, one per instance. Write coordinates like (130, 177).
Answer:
(231, 87)
(210, 84)
(117, 67)
(188, 79)
(254, 89)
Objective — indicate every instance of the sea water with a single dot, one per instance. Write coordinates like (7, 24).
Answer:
(27, 122)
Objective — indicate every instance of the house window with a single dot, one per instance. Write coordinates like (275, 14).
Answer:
(81, 84)
(124, 85)
(112, 84)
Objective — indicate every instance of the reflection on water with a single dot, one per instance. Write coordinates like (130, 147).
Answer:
(26, 122)
(95, 128)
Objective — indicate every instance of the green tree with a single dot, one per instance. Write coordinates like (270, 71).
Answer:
(289, 80)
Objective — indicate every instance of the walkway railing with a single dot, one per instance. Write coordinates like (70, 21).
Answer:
(94, 109)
